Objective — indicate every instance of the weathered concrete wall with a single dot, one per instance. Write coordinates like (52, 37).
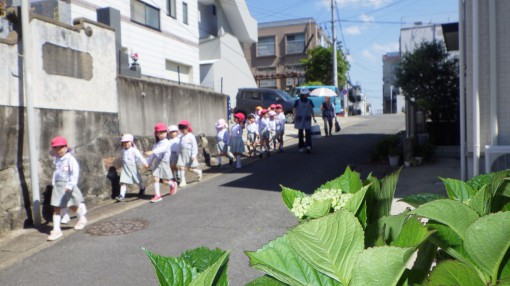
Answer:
(143, 103)
(94, 137)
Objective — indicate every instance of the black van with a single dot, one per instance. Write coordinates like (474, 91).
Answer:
(249, 98)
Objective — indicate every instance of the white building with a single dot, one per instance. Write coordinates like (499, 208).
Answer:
(224, 26)
(190, 41)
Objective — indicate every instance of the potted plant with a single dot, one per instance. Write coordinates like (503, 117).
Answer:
(394, 156)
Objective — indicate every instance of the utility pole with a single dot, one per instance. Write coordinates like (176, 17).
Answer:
(27, 82)
(335, 70)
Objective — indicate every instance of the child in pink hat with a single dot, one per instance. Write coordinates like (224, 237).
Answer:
(65, 193)
(188, 153)
(159, 158)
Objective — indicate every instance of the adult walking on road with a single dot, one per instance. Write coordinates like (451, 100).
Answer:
(328, 113)
(303, 114)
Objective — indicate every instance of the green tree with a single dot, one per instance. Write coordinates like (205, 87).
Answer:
(319, 66)
(430, 76)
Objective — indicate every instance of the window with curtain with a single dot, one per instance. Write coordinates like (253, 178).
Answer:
(295, 44)
(266, 46)
(145, 14)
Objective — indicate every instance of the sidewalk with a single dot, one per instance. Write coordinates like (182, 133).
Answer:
(26, 242)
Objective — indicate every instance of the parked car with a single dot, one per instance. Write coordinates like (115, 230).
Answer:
(318, 100)
(249, 98)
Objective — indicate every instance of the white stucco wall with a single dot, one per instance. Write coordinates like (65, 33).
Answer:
(63, 92)
(9, 73)
(176, 41)
(503, 73)
(412, 37)
(232, 67)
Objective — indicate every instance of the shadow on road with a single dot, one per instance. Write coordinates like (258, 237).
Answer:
(304, 172)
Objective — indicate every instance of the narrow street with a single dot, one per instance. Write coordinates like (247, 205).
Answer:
(239, 210)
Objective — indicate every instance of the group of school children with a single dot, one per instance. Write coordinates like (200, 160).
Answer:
(174, 152)
(265, 129)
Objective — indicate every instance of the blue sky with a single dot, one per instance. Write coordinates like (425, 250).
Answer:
(369, 28)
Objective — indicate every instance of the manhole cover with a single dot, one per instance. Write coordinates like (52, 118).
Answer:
(117, 227)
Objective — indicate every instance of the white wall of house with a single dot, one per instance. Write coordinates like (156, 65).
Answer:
(412, 37)
(9, 75)
(228, 63)
(502, 45)
(176, 42)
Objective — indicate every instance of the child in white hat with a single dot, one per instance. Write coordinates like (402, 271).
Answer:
(223, 141)
(130, 174)
(174, 137)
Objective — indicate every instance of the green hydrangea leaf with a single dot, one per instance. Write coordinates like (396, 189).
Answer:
(412, 234)
(355, 202)
(380, 266)
(289, 195)
(481, 201)
(380, 200)
(454, 214)
(420, 199)
(212, 273)
(171, 271)
(454, 273)
(265, 280)
(318, 208)
(487, 241)
(458, 190)
(350, 181)
(331, 243)
(279, 260)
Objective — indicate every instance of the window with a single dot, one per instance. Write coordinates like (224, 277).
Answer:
(269, 83)
(178, 72)
(185, 13)
(170, 6)
(269, 96)
(295, 44)
(266, 46)
(254, 95)
(145, 14)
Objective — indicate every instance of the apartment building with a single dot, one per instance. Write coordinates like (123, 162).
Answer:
(275, 58)
(390, 60)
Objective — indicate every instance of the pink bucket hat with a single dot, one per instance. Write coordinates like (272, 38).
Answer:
(221, 123)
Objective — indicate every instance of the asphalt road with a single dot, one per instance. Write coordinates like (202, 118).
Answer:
(239, 210)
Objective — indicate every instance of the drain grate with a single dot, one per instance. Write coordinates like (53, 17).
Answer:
(117, 227)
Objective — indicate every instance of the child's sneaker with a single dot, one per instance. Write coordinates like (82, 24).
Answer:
(82, 222)
(183, 184)
(173, 188)
(54, 235)
(119, 198)
(156, 199)
(199, 174)
(65, 219)
(141, 193)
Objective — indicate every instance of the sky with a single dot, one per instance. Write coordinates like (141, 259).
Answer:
(367, 29)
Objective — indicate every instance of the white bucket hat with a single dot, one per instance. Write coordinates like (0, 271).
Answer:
(127, 138)
(173, 128)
